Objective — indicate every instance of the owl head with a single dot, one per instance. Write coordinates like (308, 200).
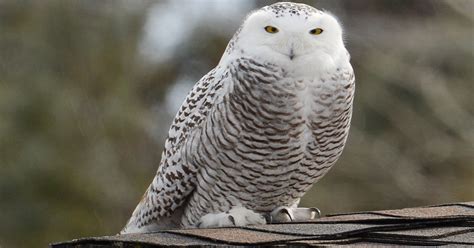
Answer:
(289, 33)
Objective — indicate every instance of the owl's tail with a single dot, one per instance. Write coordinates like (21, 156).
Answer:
(132, 225)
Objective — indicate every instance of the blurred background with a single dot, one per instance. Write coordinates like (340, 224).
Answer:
(88, 90)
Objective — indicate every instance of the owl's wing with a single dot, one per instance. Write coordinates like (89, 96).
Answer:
(176, 177)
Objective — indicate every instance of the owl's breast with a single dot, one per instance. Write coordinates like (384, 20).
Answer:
(263, 139)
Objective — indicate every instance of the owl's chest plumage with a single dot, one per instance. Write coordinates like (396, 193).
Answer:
(268, 140)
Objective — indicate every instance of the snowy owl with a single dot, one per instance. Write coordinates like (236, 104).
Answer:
(259, 129)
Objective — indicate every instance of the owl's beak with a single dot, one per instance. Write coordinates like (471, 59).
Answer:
(292, 54)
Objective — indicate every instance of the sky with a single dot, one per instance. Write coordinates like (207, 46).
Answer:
(168, 24)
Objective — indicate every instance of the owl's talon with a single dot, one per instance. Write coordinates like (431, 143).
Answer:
(232, 220)
(237, 216)
(314, 212)
(286, 214)
(281, 214)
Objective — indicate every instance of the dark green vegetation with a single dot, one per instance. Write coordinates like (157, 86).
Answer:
(83, 120)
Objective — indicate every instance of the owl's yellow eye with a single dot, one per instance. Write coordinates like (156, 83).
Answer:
(316, 31)
(271, 29)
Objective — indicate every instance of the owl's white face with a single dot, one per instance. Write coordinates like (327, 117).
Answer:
(292, 40)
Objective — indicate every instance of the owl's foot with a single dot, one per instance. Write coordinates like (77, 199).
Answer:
(286, 214)
(237, 216)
